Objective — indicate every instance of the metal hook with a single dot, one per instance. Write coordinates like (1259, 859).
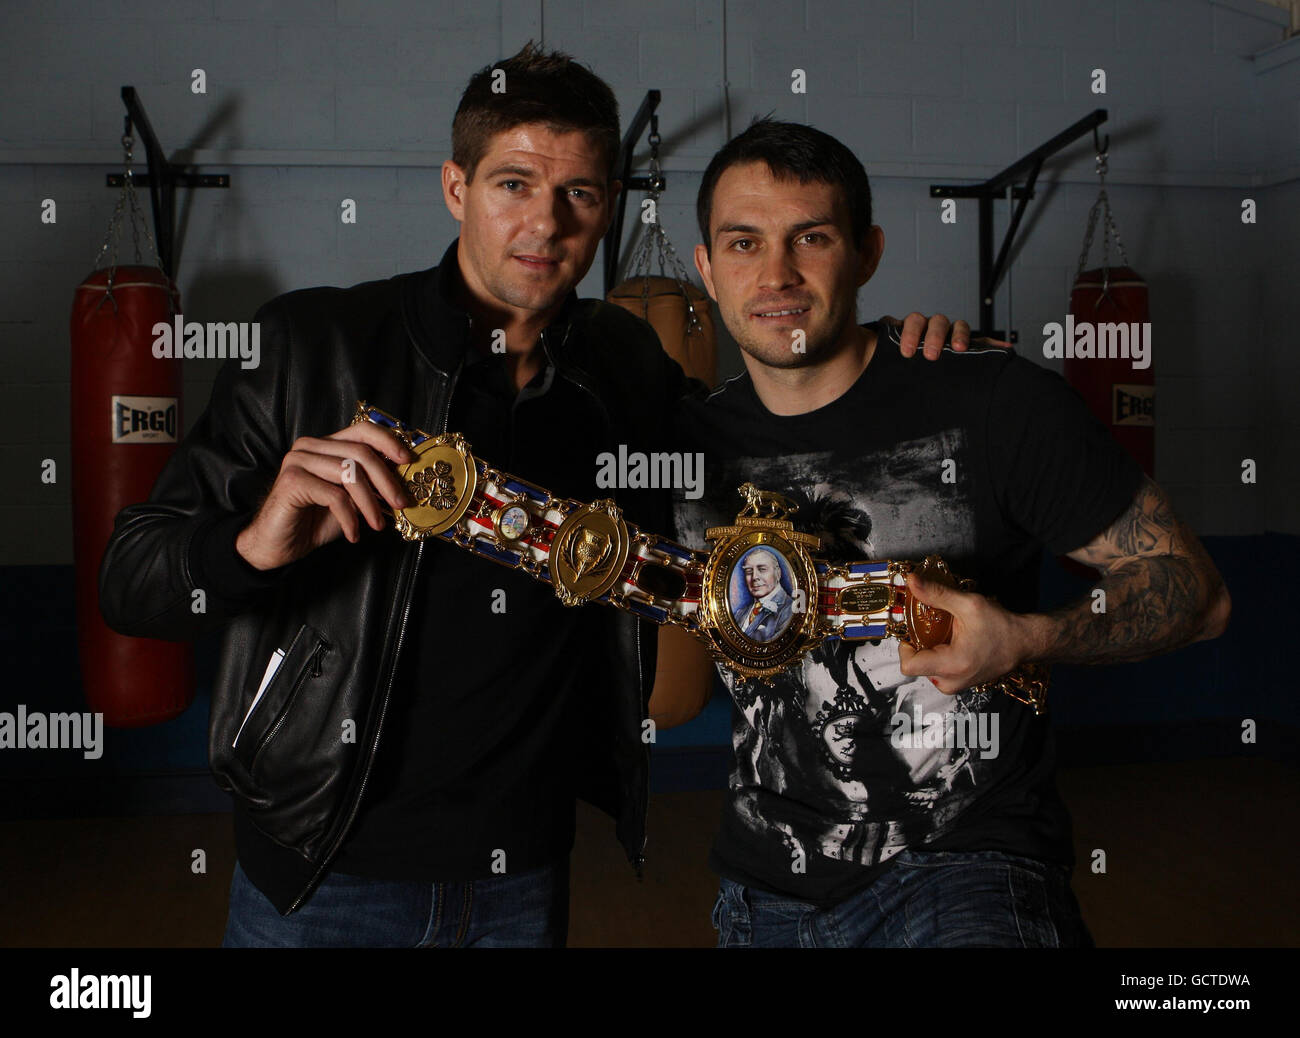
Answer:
(1103, 153)
(656, 178)
(1102, 147)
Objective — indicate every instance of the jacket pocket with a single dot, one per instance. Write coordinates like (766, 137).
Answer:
(270, 709)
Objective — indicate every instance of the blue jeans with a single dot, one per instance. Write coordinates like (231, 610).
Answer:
(530, 910)
(927, 899)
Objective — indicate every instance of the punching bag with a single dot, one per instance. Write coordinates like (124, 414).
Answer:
(1114, 302)
(680, 315)
(676, 309)
(125, 425)
(1109, 335)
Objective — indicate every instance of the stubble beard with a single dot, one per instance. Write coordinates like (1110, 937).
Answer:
(515, 291)
(520, 291)
(817, 349)
(524, 297)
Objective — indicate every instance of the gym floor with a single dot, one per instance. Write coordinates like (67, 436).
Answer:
(1198, 854)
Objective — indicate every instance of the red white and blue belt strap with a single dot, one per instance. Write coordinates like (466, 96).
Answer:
(759, 600)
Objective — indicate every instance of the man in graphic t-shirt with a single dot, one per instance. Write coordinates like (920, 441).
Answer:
(876, 798)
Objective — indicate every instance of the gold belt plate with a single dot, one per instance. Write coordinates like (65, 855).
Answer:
(589, 552)
(442, 479)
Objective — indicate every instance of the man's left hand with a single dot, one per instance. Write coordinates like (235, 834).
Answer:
(933, 331)
(986, 640)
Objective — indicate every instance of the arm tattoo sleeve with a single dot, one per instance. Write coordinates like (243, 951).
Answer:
(1160, 588)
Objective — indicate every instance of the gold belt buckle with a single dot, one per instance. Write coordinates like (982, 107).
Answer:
(760, 592)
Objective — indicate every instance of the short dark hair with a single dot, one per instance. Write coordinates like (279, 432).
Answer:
(791, 150)
(540, 87)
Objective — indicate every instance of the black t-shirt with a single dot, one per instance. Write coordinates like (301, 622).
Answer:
(981, 457)
(476, 755)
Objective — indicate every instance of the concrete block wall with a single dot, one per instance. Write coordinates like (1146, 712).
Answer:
(314, 101)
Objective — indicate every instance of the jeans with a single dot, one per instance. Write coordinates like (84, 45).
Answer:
(530, 910)
(926, 899)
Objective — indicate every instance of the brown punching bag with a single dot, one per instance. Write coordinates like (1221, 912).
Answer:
(125, 424)
(679, 313)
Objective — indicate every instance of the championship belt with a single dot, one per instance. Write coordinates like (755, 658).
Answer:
(760, 600)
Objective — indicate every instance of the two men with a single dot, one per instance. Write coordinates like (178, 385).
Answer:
(404, 757)
(879, 796)
(404, 730)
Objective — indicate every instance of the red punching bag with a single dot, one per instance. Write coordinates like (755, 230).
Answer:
(1114, 302)
(1108, 356)
(125, 424)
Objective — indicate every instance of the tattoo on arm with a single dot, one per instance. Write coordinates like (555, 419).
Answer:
(1160, 589)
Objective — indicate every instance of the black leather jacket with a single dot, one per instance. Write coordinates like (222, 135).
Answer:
(340, 613)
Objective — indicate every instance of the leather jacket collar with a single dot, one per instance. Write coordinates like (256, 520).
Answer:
(434, 303)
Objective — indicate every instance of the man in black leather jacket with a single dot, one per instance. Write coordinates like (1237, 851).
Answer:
(408, 776)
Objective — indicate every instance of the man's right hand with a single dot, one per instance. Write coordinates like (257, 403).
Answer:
(324, 488)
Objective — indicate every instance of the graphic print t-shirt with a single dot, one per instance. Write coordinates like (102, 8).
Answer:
(980, 457)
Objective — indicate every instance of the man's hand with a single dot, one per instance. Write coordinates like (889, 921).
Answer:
(322, 485)
(918, 328)
(987, 640)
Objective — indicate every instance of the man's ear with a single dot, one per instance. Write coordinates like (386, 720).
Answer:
(706, 270)
(454, 183)
(871, 248)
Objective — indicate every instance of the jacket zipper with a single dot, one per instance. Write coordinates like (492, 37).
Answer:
(405, 594)
(397, 647)
(312, 667)
(639, 864)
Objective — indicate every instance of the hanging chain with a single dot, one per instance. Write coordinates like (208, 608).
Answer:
(655, 249)
(643, 246)
(125, 197)
(1109, 230)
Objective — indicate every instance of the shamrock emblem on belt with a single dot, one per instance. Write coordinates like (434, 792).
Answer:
(434, 486)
